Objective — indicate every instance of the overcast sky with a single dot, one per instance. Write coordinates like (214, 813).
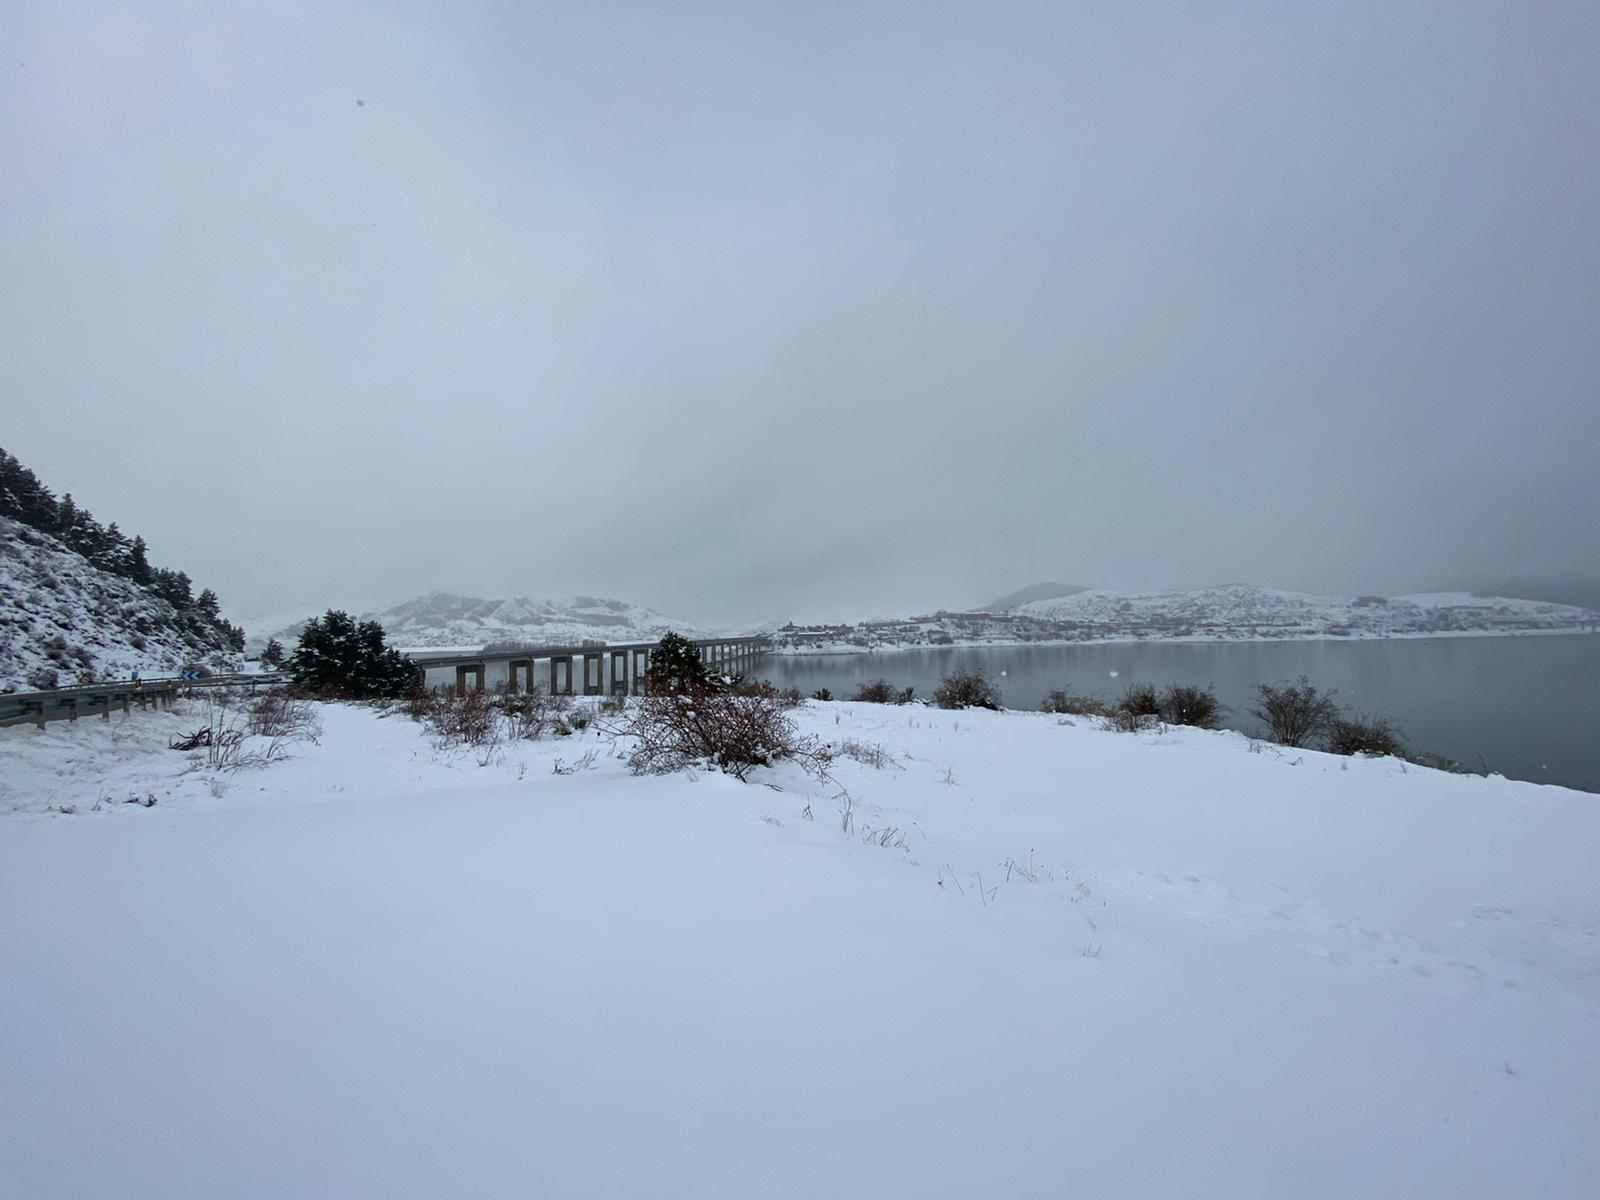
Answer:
(786, 310)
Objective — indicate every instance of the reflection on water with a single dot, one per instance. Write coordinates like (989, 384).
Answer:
(1527, 707)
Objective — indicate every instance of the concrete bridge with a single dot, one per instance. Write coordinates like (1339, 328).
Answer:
(594, 670)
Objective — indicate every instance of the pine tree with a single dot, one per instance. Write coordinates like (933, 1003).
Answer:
(676, 666)
(66, 523)
(23, 498)
(272, 656)
(341, 658)
(112, 552)
(173, 587)
(208, 606)
(138, 566)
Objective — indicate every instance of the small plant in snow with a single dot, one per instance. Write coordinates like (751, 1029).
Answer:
(870, 756)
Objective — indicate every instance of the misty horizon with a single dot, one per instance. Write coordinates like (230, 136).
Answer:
(757, 311)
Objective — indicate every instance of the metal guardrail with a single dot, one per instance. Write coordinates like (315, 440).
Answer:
(68, 704)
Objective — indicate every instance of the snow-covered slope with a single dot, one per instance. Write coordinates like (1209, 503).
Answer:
(63, 619)
(1079, 963)
(448, 619)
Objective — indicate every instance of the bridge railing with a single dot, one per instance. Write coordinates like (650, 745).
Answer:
(594, 670)
(68, 704)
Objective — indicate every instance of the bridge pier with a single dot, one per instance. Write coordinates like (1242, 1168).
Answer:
(476, 670)
(619, 673)
(593, 673)
(561, 675)
(526, 664)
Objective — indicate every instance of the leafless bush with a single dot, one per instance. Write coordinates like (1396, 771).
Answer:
(278, 715)
(281, 720)
(1294, 713)
(1130, 720)
(723, 728)
(222, 736)
(878, 691)
(531, 715)
(1374, 736)
(1139, 707)
(1185, 705)
(967, 689)
(787, 697)
(1070, 704)
(471, 718)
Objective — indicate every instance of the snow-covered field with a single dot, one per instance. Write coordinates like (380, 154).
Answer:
(1099, 964)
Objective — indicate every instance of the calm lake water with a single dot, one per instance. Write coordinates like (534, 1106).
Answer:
(1528, 707)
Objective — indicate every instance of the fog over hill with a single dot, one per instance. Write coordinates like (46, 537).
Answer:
(448, 619)
(1034, 591)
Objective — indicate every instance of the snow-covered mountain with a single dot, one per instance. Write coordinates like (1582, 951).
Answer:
(1235, 612)
(1240, 610)
(62, 620)
(448, 619)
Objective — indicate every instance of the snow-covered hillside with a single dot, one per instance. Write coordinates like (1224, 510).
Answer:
(1238, 610)
(1021, 958)
(1234, 612)
(63, 619)
(447, 619)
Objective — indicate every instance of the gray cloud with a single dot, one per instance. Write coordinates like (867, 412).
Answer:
(744, 309)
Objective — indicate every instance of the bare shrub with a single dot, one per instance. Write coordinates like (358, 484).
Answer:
(878, 691)
(822, 694)
(967, 689)
(1185, 705)
(787, 697)
(1294, 713)
(222, 736)
(727, 730)
(1139, 707)
(1070, 704)
(1373, 736)
(1140, 698)
(280, 715)
(1130, 720)
(470, 718)
(282, 720)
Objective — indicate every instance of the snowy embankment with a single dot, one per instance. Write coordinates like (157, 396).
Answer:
(1082, 963)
